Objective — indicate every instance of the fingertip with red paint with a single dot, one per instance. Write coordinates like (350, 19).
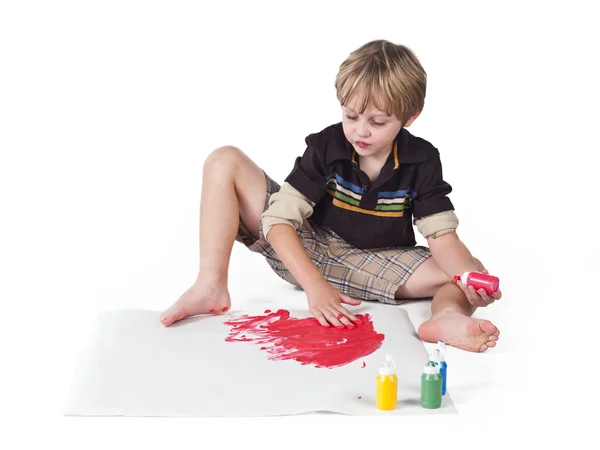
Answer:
(225, 309)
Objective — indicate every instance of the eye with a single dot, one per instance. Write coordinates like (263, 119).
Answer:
(350, 117)
(378, 124)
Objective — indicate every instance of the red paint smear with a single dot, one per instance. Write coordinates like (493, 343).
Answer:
(267, 311)
(359, 397)
(225, 309)
(212, 310)
(305, 340)
(363, 365)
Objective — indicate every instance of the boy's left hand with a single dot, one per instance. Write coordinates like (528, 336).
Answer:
(479, 298)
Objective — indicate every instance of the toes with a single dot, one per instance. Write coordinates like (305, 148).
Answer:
(491, 344)
(488, 327)
(483, 347)
(173, 314)
(166, 318)
(493, 338)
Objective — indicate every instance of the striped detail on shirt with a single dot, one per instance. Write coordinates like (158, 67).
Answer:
(343, 191)
(348, 196)
(395, 201)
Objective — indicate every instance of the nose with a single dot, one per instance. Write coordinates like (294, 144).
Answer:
(362, 129)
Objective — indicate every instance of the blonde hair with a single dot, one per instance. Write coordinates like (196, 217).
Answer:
(388, 75)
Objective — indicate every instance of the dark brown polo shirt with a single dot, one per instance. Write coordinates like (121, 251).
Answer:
(364, 214)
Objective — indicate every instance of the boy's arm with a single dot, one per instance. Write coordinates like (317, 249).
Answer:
(323, 300)
(288, 208)
(448, 251)
(287, 211)
(437, 222)
(454, 258)
(284, 240)
(451, 254)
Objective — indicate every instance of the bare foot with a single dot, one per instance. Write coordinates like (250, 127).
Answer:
(202, 298)
(458, 330)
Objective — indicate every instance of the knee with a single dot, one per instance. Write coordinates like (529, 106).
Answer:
(424, 282)
(478, 264)
(222, 159)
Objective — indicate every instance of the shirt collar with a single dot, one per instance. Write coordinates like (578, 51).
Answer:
(405, 150)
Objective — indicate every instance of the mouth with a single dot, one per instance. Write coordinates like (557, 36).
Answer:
(361, 144)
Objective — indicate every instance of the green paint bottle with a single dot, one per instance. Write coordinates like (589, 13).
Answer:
(431, 387)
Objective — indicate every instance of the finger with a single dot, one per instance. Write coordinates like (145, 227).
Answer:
(345, 317)
(491, 298)
(472, 296)
(476, 298)
(487, 300)
(342, 318)
(465, 290)
(331, 317)
(497, 295)
(349, 300)
(345, 313)
(481, 296)
(320, 318)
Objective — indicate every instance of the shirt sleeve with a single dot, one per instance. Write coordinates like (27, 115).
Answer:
(431, 191)
(287, 206)
(308, 174)
(437, 225)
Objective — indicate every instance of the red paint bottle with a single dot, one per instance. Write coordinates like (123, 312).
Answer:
(479, 280)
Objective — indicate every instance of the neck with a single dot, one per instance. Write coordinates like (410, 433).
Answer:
(380, 158)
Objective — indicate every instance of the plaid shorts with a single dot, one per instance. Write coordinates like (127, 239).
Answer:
(374, 274)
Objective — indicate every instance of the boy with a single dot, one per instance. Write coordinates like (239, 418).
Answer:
(340, 227)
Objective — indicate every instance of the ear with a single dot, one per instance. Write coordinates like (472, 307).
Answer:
(412, 119)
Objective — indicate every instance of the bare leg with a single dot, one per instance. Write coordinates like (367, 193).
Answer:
(232, 186)
(450, 310)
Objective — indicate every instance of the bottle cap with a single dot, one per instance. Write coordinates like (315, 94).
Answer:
(389, 368)
(437, 356)
(441, 346)
(431, 369)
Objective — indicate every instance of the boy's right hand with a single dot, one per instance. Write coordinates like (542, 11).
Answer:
(325, 303)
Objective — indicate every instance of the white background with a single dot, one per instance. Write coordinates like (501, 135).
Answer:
(108, 110)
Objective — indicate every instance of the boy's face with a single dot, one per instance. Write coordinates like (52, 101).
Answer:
(371, 133)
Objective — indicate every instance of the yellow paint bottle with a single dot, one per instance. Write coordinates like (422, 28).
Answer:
(387, 386)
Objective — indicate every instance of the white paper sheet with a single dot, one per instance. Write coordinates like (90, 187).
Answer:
(134, 366)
